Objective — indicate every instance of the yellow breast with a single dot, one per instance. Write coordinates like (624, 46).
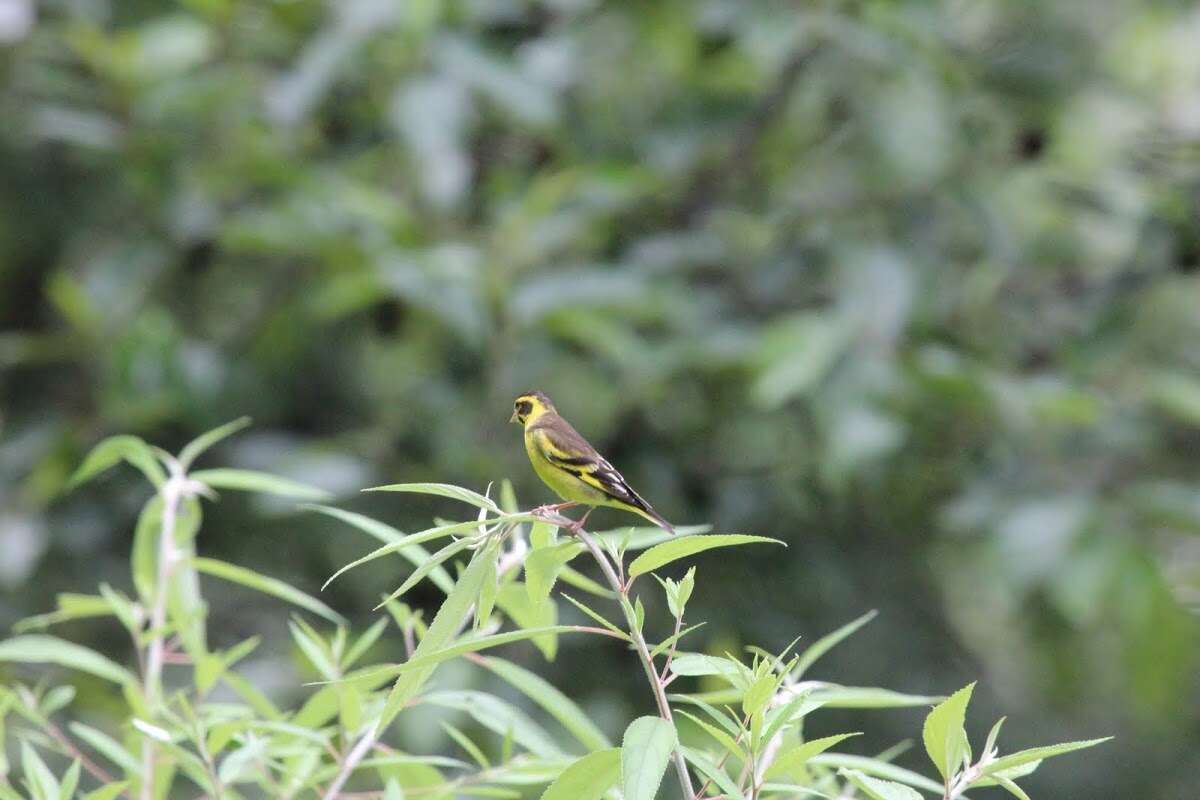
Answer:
(564, 484)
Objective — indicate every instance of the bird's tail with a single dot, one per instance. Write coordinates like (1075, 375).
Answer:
(652, 515)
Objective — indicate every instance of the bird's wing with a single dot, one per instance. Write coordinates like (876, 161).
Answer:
(569, 451)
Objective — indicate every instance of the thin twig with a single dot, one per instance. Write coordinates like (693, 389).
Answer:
(172, 492)
(639, 644)
(93, 769)
(671, 650)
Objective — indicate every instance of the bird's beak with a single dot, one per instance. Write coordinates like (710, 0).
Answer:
(513, 418)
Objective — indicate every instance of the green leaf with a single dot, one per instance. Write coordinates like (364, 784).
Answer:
(445, 625)
(587, 778)
(193, 449)
(415, 554)
(439, 532)
(797, 757)
(732, 727)
(869, 697)
(670, 641)
(726, 741)
(38, 778)
(70, 781)
(685, 589)
(109, 791)
(759, 693)
(943, 733)
(514, 599)
(463, 647)
(990, 745)
(70, 607)
(828, 642)
(441, 490)
(573, 577)
(695, 664)
(881, 769)
(665, 553)
(645, 751)
(36, 648)
(877, 789)
(314, 650)
(248, 480)
(110, 452)
(500, 717)
(1012, 788)
(108, 747)
(465, 743)
(487, 595)
(800, 706)
(595, 616)
(1023, 757)
(645, 537)
(554, 702)
(714, 772)
(543, 565)
(147, 540)
(267, 585)
(364, 642)
(445, 554)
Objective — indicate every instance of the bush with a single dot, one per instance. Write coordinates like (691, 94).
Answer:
(737, 733)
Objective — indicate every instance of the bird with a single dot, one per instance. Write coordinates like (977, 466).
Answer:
(569, 465)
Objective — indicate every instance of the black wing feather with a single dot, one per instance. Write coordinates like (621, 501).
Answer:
(564, 437)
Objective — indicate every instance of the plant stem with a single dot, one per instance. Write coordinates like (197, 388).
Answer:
(639, 644)
(67, 745)
(360, 750)
(172, 492)
(511, 560)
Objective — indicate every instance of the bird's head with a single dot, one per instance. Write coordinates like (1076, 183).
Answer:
(529, 406)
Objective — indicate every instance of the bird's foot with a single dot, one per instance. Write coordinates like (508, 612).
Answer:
(553, 508)
(576, 526)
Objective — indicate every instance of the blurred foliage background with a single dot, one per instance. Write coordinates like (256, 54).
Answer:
(912, 285)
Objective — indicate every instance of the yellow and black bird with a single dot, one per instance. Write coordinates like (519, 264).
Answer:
(570, 466)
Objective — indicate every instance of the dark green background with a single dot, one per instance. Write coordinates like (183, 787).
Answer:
(914, 286)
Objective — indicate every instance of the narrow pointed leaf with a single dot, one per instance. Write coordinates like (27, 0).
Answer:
(797, 757)
(828, 642)
(35, 648)
(667, 552)
(869, 697)
(114, 450)
(722, 738)
(445, 554)
(193, 449)
(415, 553)
(461, 648)
(247, 480)
(450, 616)
(267, 585)
(38, 777)
(441, 490)
(1023, 757)
(439, 532)
(877, 768)
(878, 789)
(554, 702)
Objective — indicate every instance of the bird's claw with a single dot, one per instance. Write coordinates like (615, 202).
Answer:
(552, 508)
